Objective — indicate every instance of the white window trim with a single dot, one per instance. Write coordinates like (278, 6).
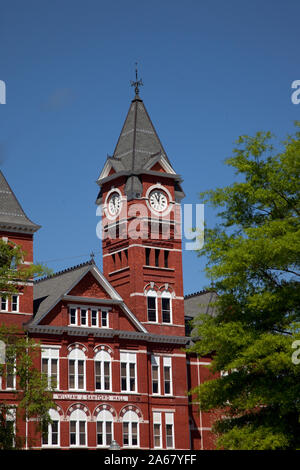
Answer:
(128, 358)
(18, 303)
(107, 318)
(14, 378)
(54, 415)
(169, 419)
(77, 356)
(155, 361)
(102, 360)
(167, 295)
(77, 416)
(131, 418)
(157, 420)
(86, 316)
(167, 362)
(51, 353)
(152, 293)
(97, 317)
(105, 416)
(4, 299)
(76, 316)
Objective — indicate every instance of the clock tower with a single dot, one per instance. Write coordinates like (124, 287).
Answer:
(140, 195)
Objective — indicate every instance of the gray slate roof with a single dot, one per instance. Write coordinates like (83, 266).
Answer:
(137, 149)
(194, 304)
(48, 291)
(12, 216)
(197, 303)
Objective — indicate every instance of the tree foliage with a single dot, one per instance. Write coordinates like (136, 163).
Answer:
(253, 258)
(13, 270)
(32, 394)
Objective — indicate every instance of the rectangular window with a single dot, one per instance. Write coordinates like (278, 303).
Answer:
(125, 434)
(147, 256)
(11, 374)
(77, 433)
(157, 258)
(50, 358)
(128, 372)
(166, 258)
(167, 375)
(80, 375)
(14, 303)
(104, 319)
(100, 433)
(10, 420)
(155, 375)
(82, 433)
(50, 437)
(83, 316)
(166, 309)
(169, 430)
(72, 433)
(73, 316)
(151, 307)
(94, 318)
(157, 430)
(4, 304)
(104, 433)
(130, 434)
(102, 375)
(72, 374)
(76, 374)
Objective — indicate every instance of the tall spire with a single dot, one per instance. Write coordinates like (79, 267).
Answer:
(138, 82)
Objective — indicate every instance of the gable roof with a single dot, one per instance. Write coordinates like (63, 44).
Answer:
(51, 290)
(12, 216)
(137, 149)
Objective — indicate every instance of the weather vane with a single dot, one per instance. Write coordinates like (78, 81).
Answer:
(137, 82)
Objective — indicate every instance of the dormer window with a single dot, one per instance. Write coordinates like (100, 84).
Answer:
(94, 317)
(73, 316)
(83, 317)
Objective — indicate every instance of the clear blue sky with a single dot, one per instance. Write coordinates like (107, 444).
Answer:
(212, 70)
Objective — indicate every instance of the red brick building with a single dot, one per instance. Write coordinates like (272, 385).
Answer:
(114, 341)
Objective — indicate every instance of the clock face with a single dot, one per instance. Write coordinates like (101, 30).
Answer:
(114, 203)
(158, 200)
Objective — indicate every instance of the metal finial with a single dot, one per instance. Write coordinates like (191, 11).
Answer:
(92, 255)
(137, 82)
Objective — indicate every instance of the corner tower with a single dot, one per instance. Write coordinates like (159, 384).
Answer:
(140, 194)
(17, 228)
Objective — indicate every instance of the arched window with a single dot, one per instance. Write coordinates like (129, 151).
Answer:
(105, 428)
(102, 371)
(52, 436)
(152, 305)
(130, 429)
(78, 431)
(76, 369)
(166, 307)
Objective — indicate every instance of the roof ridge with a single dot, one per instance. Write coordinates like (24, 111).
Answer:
(63, 271)
(200, 292)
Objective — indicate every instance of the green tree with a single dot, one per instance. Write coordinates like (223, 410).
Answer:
(253, 256)
(13, 270)
(32, 394)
